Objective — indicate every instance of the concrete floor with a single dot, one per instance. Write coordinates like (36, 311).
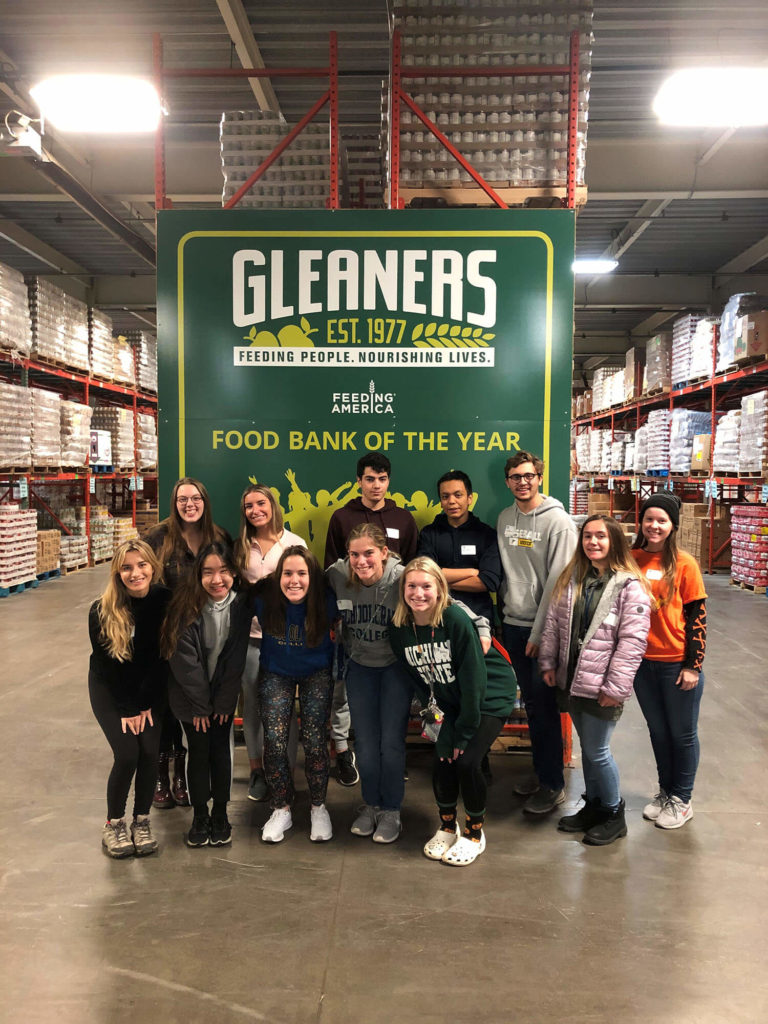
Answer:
(659, 927)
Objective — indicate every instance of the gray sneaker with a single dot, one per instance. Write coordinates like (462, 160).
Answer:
(257, 787)
(544, 800)
(141, 833)
(528, 785)
(115, 839)
(365, 822)
(388, 827)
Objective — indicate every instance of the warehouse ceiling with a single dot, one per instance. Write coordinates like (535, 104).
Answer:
(685, 212)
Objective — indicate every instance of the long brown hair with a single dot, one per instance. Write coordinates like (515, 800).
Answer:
(174, 537)
(378, 539)
(115, 616)
(668, 559)
(190, 597)
(247, 531)
(316, 624)
(619, 557)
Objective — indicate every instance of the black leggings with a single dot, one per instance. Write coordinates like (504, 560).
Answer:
(170, 737)
(450, 777)
(209, 765)
(133, 754)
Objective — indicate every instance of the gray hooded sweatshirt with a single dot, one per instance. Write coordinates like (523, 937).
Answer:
(366, 612)
(535, 547)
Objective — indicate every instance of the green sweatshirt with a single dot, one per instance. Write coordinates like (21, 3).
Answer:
(465, 684)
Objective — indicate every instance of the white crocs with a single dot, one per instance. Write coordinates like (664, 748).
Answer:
(277, 825)
(463, 852)
(440, 843)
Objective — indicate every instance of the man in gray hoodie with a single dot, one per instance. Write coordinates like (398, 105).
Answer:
(536, 538)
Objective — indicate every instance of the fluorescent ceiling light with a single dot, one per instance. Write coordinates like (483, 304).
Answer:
(98, 103)
(595, 265)
(714, 98)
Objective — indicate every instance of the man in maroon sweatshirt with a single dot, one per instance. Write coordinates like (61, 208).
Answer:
(399, 526)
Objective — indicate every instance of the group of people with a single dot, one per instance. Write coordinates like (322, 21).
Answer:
(190, 619)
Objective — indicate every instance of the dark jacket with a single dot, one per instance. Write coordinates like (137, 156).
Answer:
(179, 564)
(190, 692)
(398, 525)
(140, 683)
(472, 545)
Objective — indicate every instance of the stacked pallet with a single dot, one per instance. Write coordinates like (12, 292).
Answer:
(59, 326)
(75, 425)
(15, 426)
(46, 429)
(753, 435)
(74, 552)
(145, 349)
(101, 344)
(695, 530)
(18, 545)
(725, 457)
(657, 373)
(749, 545)
(123, 530)
(15, 323)
(48, 551)
(658, 441)
(146, 441)
(685, 424)
(119, 423)
(102, 533)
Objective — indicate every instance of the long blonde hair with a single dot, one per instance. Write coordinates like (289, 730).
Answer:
(248, 531)
(619, 558)
(115, 616)
(403, 614)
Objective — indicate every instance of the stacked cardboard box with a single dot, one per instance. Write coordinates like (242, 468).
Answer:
(145, 520)
(633, 374)
(599, 501)
(48, 550)
(18, 545)
(752, 342)
(700, 454)
(694, 533)
(657, 375)
(124, 530)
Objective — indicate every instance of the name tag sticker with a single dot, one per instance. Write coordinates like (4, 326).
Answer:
(393, 532)
(344, 605)
(468, 549)
(611, 619)
(655, 574)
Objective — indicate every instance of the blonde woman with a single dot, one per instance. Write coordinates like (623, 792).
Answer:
(434, 639)
(127, 683)
(258, 548)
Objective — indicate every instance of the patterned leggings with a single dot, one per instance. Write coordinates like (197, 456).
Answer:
(276, 698)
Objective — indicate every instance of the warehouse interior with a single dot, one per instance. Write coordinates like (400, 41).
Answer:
(658, 928)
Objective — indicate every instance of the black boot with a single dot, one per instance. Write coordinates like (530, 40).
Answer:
(163, 797)
(611, 828)
(179, 785)
(592, 813)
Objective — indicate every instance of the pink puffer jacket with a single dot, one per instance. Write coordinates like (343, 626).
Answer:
(613, 645)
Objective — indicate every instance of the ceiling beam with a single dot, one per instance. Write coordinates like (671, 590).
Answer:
(33, 246)
(746, 260)
(635, 227)
(239, 28)
(648, 327)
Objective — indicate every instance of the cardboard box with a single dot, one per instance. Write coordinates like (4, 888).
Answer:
(633, 373)
(752, 343)
(700, 455)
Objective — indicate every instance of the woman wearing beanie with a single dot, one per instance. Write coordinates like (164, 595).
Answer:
(670, 681)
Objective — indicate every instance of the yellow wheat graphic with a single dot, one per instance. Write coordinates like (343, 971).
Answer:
(436, 335)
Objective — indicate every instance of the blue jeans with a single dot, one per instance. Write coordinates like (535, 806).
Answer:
(540, 708)
(380, 702)
(672, 717)
(601, 776)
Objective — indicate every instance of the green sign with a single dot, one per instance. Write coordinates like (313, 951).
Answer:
(291, 343)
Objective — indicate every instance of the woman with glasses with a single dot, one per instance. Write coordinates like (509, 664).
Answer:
(176, 542)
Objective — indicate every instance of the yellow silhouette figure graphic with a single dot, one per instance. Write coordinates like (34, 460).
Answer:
(309, 517)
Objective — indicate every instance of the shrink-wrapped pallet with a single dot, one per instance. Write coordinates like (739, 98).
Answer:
(725, 457)
(145, 349)
(658, 440)
(18, 545)
(15, 426)
(75, 424)
(15, 322)
(119, 422)
(146, 441)
(684, 425)
(753, 435)
(46, 428)
(101, 345)
(59, 326)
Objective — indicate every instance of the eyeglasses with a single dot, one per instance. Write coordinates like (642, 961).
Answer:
(522, 478)
(189, 501)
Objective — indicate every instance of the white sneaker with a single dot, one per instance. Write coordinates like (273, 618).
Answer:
(652, 810)
(277, 825)
(674, 813)
(440, 843)
(322, 830)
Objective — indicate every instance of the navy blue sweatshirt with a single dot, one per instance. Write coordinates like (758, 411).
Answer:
(473, 545)
(289, 654)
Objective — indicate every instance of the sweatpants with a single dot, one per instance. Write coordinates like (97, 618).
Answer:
(449, 778)
(209, 764)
